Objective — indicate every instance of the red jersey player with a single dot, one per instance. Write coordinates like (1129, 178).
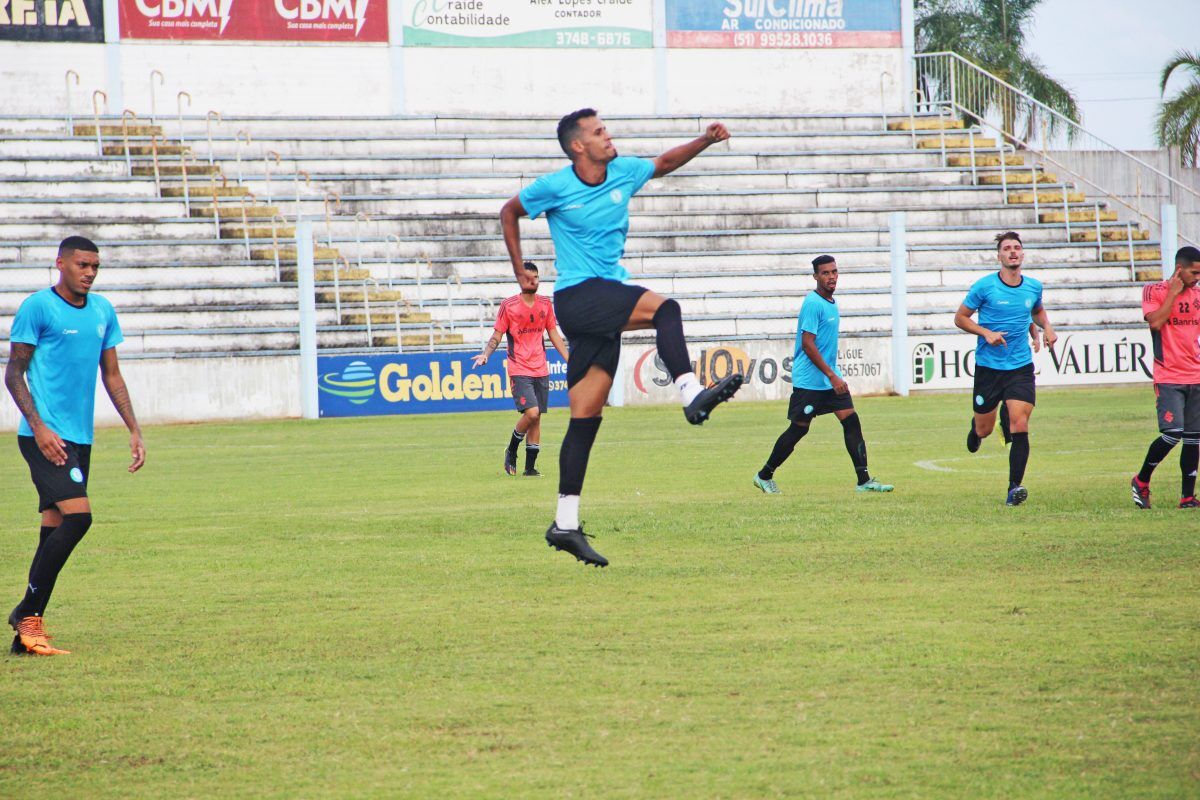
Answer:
(1172, 308)
(525, 319)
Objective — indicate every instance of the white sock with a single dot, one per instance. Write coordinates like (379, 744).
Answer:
(567, 516)
(689, 387)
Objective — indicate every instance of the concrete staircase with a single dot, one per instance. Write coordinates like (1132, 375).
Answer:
(196, 230)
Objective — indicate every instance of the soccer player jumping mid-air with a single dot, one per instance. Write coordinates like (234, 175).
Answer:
(587, 207)
(525, 319)
(1008, 303)
(818, 386)
(1172, 309)
(59, 337)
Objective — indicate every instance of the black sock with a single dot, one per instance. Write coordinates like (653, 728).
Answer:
(1159, 449)
(531, 454)
(1018, 457)
(668, 338)
(1004, 431)
(1189, 460)
(515, 441)
(856, 447)
(784, 446)
(573, 455)
(51, 556)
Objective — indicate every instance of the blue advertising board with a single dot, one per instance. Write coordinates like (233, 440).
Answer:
(422, 383)
(783, 23)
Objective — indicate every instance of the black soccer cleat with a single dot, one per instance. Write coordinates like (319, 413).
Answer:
(1141, 492)
(575, 542)
(530, 472)
(698, 410)
(17, 648)
(510, 462)
(973, 440)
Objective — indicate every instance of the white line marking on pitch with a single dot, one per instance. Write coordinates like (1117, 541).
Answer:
(935, 465)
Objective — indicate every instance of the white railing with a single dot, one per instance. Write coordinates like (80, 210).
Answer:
(947, 80)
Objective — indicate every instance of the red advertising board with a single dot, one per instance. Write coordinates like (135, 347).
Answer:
(256, 20)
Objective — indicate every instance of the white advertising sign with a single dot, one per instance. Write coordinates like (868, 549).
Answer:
(767, 365)
(1078, 358)
(528, 23)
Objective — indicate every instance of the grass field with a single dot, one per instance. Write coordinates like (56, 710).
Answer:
(366, 607)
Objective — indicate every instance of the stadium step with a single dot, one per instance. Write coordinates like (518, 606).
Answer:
(1083, 215)
(387, 317)
(1025, 198)
(117, 130)
(926, 124)
(1017, 177)
(232, 211)
(145, 149)
(957, 143)
(1136, 254)
(985, 160)
(172, 170)
(1120, 234)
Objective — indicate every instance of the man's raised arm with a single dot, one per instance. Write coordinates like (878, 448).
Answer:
(676, 157)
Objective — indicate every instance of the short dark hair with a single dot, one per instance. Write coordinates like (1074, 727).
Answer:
(1186, 256)
(568, 127)
(530, 266)
(821, 261)
(72, 243)
(1002, 237)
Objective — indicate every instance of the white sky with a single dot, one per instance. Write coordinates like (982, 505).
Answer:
(1110, 53)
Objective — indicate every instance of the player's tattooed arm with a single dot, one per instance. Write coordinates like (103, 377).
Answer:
(118, 392)
(488, 349)
(48, 441)
(14, 379)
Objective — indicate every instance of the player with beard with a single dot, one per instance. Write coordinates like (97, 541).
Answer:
(1008, 303)
(587, 207)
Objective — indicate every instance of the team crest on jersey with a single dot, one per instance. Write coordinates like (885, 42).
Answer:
(1028, 303)
(100, 330)
(616, 196)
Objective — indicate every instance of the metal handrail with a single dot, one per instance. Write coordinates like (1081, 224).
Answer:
(237, 138)
(267, 170)
(360, 216)
(387, 255)
(96, 118)
(275, 243)
(162, 81)
(127, 115)
(337, 201)
(246, 221)
(70, 115)
(977, 91)
(208, 118)
(308, 182)
(179, 107)
(367, 308)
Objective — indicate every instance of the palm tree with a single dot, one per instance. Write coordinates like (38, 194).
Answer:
(1178, 120)
(991, 33)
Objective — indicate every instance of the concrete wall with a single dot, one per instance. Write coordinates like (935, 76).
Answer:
(342, 79)
(197, 390)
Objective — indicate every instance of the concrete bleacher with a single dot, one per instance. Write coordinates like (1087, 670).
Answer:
(406, 215)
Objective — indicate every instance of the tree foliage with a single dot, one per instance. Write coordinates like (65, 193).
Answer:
(1177, 123)
(992, 35)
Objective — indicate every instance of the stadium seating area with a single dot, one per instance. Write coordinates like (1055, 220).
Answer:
(409, 244)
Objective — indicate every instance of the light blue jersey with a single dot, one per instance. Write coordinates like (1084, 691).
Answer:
(1008, 310)
(587, 223)
(62, 375)
(819, 317)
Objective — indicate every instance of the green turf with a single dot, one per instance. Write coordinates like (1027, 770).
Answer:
(366, 607)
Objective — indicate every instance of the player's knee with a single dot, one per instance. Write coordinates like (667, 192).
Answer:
(533, 414)
(76, 525)
(1172, 436)
(668, 313)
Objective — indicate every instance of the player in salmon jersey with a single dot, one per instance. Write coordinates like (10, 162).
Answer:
(1172, 309)
(525, 319)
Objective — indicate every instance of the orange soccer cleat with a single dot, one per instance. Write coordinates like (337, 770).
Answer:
(33, 639)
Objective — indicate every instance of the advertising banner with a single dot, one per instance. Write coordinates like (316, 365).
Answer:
(52, 20)
(1078, 358)
(528, 23)
(422, 383)
(346, 21)
(783, 23)
(865, 363)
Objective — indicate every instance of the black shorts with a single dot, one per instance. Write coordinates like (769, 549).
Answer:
(808, 403)
(994, 385)
(528, 391)
(55, 484)
(1178, 406)
(592, 314)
